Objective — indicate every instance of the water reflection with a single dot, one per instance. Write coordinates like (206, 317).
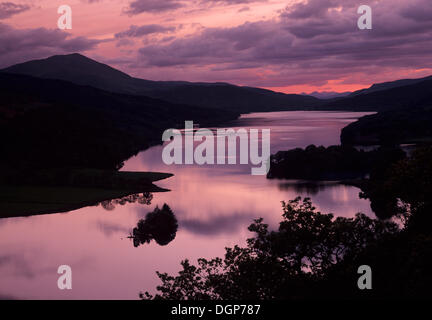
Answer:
(307, 187)
(144, 199)
(159, 225)
(218, 225)
(213, 207)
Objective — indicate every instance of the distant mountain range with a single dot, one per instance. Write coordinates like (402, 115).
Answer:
(79, 93)
(373, 88)
(416, 94)
(389, 85)
(81, 70)
(328, 94)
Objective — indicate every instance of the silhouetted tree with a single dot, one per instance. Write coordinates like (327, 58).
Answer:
(159, 225)
(404, 188)
(314, 255)
(287, 263)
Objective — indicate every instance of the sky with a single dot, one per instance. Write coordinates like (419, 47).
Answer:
(292, 46)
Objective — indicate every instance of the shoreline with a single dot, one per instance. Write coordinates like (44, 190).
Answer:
(28, 200)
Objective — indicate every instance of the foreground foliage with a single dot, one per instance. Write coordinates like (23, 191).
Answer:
(314, 255)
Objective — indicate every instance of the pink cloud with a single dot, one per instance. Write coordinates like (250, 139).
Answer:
(8, 9)
(19, 45)
(309, 44)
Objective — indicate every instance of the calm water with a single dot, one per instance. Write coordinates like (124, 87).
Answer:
(213, 206)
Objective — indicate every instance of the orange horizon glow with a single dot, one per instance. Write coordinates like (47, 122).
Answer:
(307, 89)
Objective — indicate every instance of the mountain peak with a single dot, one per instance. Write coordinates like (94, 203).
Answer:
(70, 67)
(70, 56)
(79, 69)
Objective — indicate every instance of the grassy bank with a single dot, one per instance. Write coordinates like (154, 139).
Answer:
(89, 188)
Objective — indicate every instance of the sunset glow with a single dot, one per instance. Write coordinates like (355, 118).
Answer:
(288, 46)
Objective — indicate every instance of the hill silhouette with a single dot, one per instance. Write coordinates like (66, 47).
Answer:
(389, 85)
(81, 70)
(404, 97)
(166, 102)
(390, 127)
(46, 123)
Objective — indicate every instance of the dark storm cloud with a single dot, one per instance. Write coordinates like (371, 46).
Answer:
(319, 8)
(157, 6)
(153, 6)
(8, 9)
(316, 39)
(139, 31)
(416, 12)
(18, 45)
(212, 45)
